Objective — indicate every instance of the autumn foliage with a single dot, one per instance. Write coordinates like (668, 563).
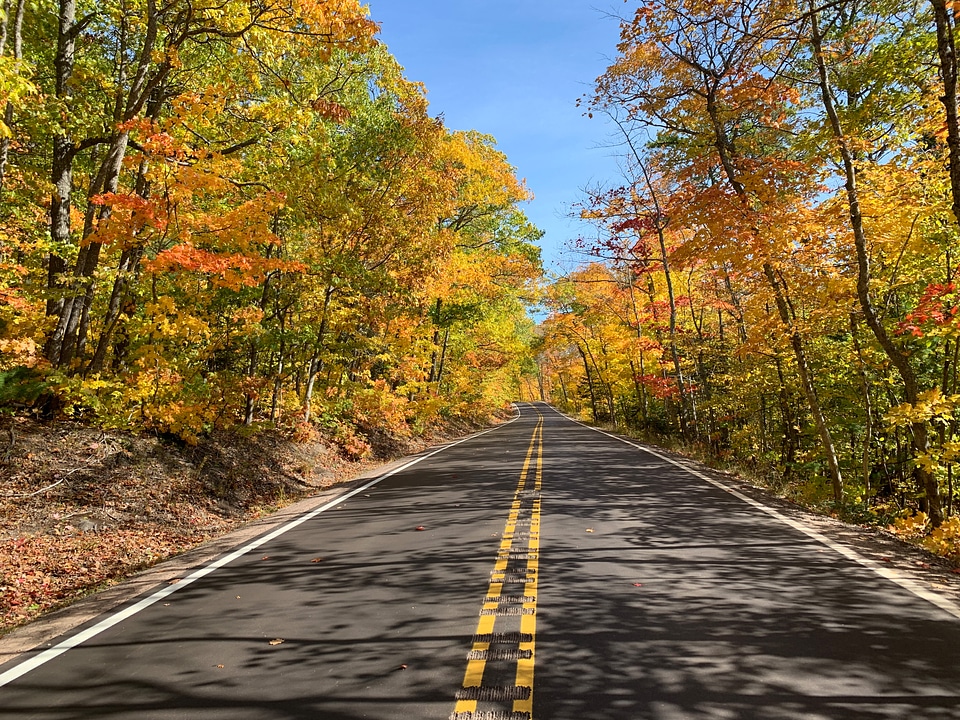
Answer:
(774, 277)
(253, 219)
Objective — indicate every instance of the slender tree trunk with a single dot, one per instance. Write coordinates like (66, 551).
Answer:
(868, 409)
(563, 390)
(443, 358)
(312, 370)
(638, 385)
(586, 370)
(61, 170)
(315, 366)
(806, 381)
(277, 389)
(946, 51)
(17, 55)
(791, 431)
(735, 301)
(672, 328)
(432, 375)
(73, 324)
(249, 399)
(638, 391)
(277, 396)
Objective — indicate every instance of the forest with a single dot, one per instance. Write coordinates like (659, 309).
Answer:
(221, 214)
(773, 279)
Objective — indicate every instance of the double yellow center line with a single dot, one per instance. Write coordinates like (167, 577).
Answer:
(500, 640)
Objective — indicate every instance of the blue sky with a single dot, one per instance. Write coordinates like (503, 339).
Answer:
(514, 70)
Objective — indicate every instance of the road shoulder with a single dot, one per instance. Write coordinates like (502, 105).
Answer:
(44, 631)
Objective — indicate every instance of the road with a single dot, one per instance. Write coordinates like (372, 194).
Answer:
(541, 567)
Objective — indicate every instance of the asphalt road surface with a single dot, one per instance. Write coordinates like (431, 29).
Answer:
(541, 567)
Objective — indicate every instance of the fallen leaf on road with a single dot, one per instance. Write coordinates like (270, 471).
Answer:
(638, 584)
(402, 667)
(220, 666)
(886, 559)
(265, 557)
(317, 559)
(173, 582)
(925, 566)
(276, 641)
(589, 529)
(238, 597)
(420, 527)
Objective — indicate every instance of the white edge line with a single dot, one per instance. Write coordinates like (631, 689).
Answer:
(73, 641)
(847, 552)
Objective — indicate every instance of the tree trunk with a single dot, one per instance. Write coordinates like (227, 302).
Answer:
(672, 327)
(868, 408)
(17, 55)
(312, 371)
(586, 370)
(432, 376)
(791, 432)
(314, 367)
(947, 53)
(806, 381)
(73, 325)
(443, 358)
(61, 170)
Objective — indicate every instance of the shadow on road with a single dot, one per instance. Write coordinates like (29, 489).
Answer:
(684, 602)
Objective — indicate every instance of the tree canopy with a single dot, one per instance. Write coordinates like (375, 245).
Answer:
(775, 274)
(220, 213)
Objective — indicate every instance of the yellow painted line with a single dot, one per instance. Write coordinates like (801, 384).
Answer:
(473, 677)
(528, 623)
